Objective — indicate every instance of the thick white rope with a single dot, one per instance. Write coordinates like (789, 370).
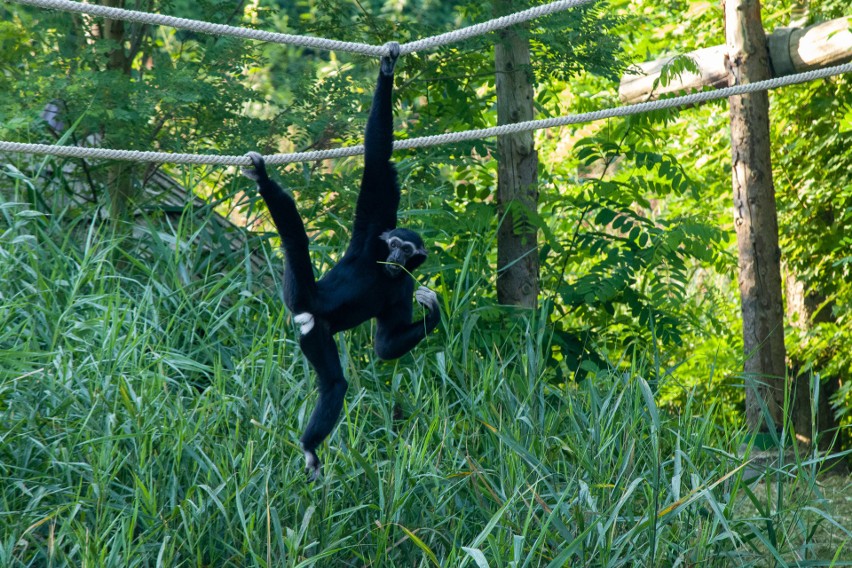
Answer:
(205, 27)
(686, 100)
(164, 157)
(490, 25)
(304, 41)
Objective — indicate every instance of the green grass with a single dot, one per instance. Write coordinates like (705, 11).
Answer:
(150, 411)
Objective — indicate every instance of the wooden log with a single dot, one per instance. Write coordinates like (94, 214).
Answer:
(642, 82)
(794, 50)
(791, 50)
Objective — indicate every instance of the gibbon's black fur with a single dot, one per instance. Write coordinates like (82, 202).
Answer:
(368, 282)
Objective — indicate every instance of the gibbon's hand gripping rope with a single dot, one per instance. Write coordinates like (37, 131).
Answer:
(305, 41)
(164, 157)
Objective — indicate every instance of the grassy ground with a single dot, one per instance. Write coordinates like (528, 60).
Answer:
(149, 414)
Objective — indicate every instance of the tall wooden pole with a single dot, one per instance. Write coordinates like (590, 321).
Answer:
(755, 217)
(517, 172)
(119, 180)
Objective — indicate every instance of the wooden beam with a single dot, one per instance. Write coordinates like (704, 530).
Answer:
(791, 50)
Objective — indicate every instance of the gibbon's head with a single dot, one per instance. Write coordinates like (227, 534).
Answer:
(405, 249)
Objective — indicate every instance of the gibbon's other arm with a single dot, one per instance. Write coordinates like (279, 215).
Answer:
(396, 334)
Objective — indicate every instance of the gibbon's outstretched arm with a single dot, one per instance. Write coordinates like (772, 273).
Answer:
(396, 334)
(378, 199)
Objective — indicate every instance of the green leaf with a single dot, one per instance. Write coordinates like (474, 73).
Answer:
(477, 556)
(422, 546)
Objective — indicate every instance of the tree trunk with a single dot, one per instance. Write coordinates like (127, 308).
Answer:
(120, 175)
(517, 176)
(806, 308)
(755, 218)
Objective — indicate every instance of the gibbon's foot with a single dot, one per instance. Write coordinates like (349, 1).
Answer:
(257, 171)
(389, 61)
(313, 467)
(305, 321)
(426, 298)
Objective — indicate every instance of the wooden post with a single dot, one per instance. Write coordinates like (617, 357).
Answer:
(517, 176)
(755, 217)
(119, 177)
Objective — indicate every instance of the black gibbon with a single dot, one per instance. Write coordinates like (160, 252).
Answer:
(372, 280)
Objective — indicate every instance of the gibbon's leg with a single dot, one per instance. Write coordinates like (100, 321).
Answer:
(300, 295)
(319, 347)
(299, 282)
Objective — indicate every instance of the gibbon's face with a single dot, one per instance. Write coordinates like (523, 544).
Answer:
(405, 249)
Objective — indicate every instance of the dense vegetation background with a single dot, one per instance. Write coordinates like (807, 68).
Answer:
(151, 391)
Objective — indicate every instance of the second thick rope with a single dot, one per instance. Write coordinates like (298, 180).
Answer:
(164, 157)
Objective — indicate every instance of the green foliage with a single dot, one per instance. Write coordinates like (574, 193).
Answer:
(811, 172)
(448, 191)
(675, 68)
(635, 267)
(152, 391)
(634, 261)
(815, 195)
(151, 405)
(173, 87)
